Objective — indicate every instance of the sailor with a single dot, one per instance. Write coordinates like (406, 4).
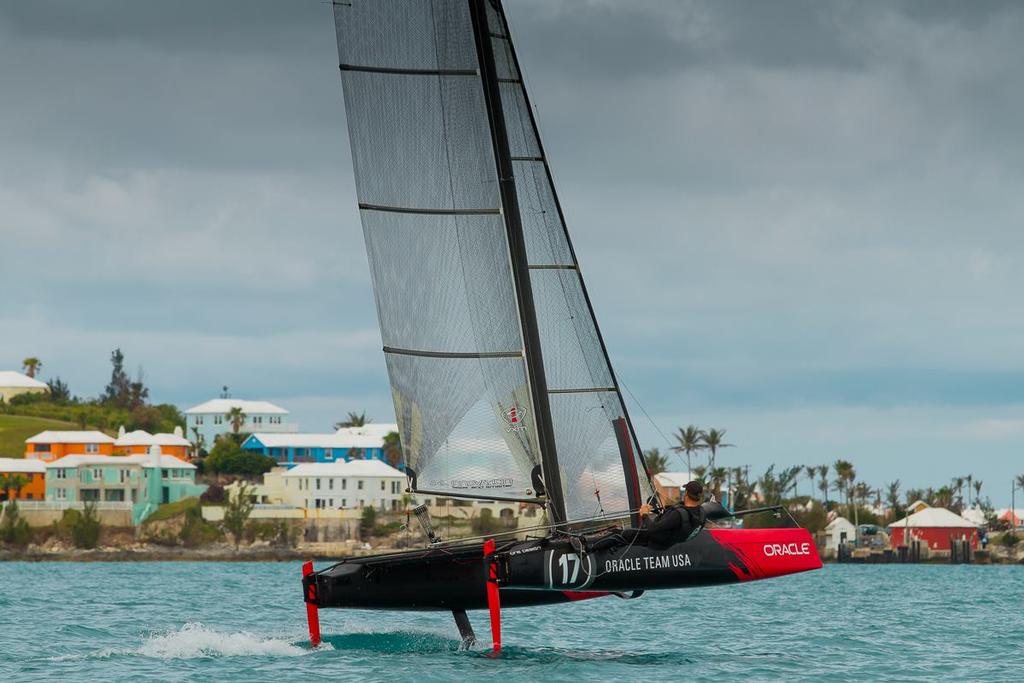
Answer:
(677, 522)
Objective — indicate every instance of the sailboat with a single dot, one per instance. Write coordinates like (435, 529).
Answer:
(502, 384)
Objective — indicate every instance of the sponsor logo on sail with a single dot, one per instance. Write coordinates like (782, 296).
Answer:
(514, 417)
(781, 549)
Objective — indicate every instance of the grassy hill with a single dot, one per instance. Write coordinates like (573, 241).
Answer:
(14, 429)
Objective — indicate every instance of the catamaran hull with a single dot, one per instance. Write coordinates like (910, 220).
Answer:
(548, 571)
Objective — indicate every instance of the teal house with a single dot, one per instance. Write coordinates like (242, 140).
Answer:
(141, 482)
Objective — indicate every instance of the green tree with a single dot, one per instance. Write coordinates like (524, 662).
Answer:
(84, 527)
(892, 499)
(354, 420)
(690, 441)
(59, 391)
(811, 471)
(367, 521)
(236, 418)
(393, 449)
(823, 484)
(32, 366)
(713, 440)
(236, 512)
(14, 530)
(118, 391)
(656, 462)
(227, 457)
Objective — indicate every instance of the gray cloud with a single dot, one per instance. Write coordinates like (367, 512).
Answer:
(793, 216)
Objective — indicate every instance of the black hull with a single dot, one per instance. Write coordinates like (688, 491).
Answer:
(549, 571)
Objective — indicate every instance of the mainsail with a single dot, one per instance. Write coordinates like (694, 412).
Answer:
(497, 367)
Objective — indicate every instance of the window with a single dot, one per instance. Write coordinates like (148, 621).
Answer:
(114, 495)
(382, 484)
(330, 503)
(41, 448)
(62, 494)
(90, 495)
(344, 502)
(344, 484)
(92, 448)
(199, 420)
(218, 419)
(122, 476)
(258, 420)
(61, 474)
(394, 487)
(318, 483)
(163, 474)
(330, 484)
(328, 454)
(97, 474)
(359, 484)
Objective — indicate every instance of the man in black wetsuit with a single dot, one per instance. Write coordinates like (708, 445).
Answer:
(676, 523)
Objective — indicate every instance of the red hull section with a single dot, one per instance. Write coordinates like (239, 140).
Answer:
(764, 553)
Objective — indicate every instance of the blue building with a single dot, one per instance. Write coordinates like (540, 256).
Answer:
(348, 443)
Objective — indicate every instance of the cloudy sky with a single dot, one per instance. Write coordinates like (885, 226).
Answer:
(799, 221)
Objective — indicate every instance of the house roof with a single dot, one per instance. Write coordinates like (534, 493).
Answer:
(343, 438)
(22, 466)
(371, 429)
(673, 479)
(839, 522)
(145, 460)
(10, 378)
(353, 468)
(69, 437)
(224, 405)
(933, 518)
(143, 438)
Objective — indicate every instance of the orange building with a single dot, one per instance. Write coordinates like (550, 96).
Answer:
(140, 441)
(23, 479)
(52, 445)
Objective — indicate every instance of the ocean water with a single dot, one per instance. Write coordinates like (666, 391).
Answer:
(245, 622)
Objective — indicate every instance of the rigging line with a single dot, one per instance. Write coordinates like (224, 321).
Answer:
(644, 411)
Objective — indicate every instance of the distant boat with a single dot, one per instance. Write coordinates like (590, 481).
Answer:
(502, 385)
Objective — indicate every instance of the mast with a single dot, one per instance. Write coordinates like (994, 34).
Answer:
(572, 250)
(520, 268)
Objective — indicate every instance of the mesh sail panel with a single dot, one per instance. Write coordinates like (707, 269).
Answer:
(583, 395)
(437, 244)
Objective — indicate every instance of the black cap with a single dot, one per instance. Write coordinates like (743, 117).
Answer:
(695, 490)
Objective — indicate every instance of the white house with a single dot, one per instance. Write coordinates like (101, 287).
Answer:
(354, 484)
(839, 531)
(210, 419)
(14, 384)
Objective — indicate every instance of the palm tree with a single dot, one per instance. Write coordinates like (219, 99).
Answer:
(892, 497)
(656, 462)
(11, 481)
(845, 476)
(970, 482)
(977, 490)
(392, 449)
(713, 441)
(354, 420)
(698, 472)
(823, 486)
(236, 416)
(957, 484)
(811, 471)
(197, 442)
(717, 476)
(32, 365)
(690, 442)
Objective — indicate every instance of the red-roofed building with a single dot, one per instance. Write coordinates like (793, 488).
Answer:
(935, 527)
